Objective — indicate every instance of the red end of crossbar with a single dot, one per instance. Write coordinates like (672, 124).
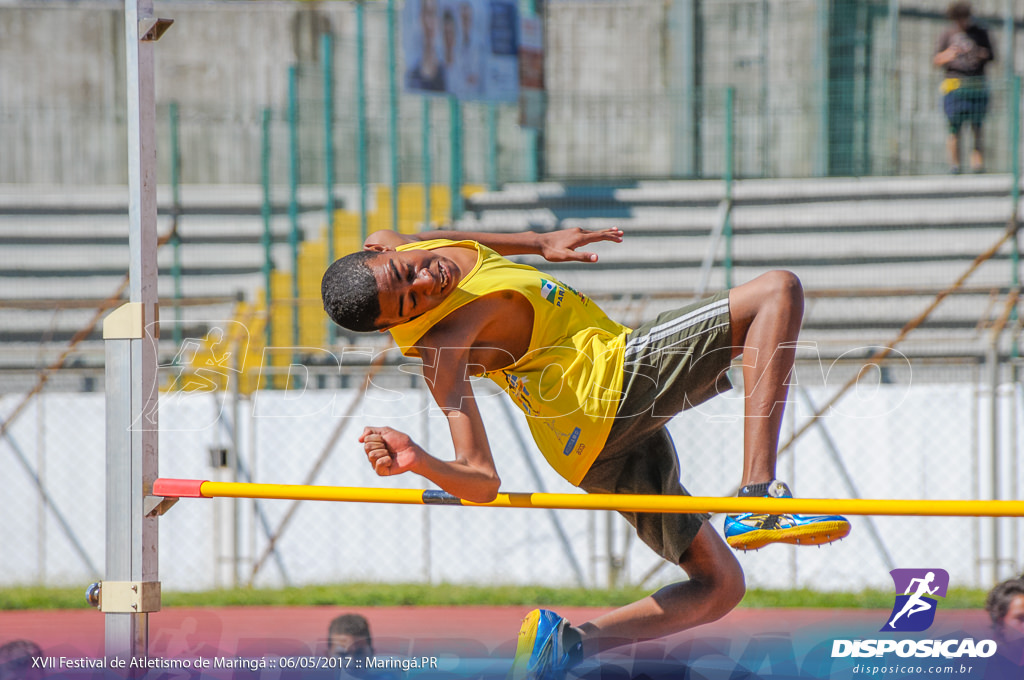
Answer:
(178, 488)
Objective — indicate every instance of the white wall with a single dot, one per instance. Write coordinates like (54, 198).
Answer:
(921, 442)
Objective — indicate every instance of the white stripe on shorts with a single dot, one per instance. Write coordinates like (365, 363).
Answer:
(697, 316)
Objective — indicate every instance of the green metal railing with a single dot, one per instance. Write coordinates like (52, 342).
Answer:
(175, 240)
(295, 233)
(266, 212)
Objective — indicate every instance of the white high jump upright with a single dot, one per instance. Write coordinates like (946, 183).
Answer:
(131, 589)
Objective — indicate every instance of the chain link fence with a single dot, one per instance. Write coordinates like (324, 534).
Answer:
(887, 439)
(644, 100)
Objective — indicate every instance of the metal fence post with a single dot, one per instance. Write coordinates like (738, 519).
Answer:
(492, 146)
(455, 139)
(534, 136)
(993, 422)
(1014, 211)
(1009, 37)
(327, 55)
(293, 192)
(892, 92)
(427, 180)
(820, 160)
(267, 214)
(393, 111)
(361, 114)
(730, 104)
(175, 214)
(1015, 92)
(685, 140)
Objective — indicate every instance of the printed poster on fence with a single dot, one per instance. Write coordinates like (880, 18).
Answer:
(466, 48)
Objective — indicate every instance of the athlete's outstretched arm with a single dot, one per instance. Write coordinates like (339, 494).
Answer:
(553, 246)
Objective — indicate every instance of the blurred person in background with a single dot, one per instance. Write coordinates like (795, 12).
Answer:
(1005, 606)
(349, 635)
(963, 51)
(16, 660)
(349, 640)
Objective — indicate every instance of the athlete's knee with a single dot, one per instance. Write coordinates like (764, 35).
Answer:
(729, 589)
(782, 288)
(785, 284)
(724, 588)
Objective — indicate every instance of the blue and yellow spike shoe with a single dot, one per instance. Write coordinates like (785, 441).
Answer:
(547, 647)
(750, 531)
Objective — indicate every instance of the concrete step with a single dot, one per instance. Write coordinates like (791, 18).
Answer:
(848, 215)
(863, 236)
(684, 278)
(224, 283)
(81, 259)
(106, 199)
(557, 196)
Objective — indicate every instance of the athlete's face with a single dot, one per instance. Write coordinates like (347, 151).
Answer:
(411, 283)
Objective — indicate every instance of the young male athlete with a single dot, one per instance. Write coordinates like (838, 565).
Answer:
(597, 397)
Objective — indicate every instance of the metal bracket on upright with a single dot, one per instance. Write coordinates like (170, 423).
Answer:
(128, 597)
(156, 506)
(152, 29)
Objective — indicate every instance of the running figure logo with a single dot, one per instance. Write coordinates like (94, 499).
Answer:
(914, 610)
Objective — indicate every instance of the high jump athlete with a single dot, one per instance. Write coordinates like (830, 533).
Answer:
(597, 396)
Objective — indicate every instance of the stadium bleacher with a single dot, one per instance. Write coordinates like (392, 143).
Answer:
(872, 253)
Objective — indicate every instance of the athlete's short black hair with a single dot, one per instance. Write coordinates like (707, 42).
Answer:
(350, 292)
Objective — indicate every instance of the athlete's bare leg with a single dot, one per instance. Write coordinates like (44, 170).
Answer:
(766, 314)
(714, 588)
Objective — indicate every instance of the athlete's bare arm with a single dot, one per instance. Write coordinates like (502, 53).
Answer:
(472, 474)
(554, 246)
(468, 342)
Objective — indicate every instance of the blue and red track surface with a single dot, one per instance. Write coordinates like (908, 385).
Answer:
(477, 642)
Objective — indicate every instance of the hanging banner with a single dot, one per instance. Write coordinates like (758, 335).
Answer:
(465, 48)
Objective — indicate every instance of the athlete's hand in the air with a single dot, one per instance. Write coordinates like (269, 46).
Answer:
(561, 245)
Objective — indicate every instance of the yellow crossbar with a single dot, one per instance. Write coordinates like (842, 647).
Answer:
(620, 502)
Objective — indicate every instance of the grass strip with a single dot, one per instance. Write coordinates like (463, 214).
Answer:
(387, 595)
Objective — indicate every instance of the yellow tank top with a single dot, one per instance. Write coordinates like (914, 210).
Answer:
(569, 382)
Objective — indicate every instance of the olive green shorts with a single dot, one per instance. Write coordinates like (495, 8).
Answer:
(673, 363)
